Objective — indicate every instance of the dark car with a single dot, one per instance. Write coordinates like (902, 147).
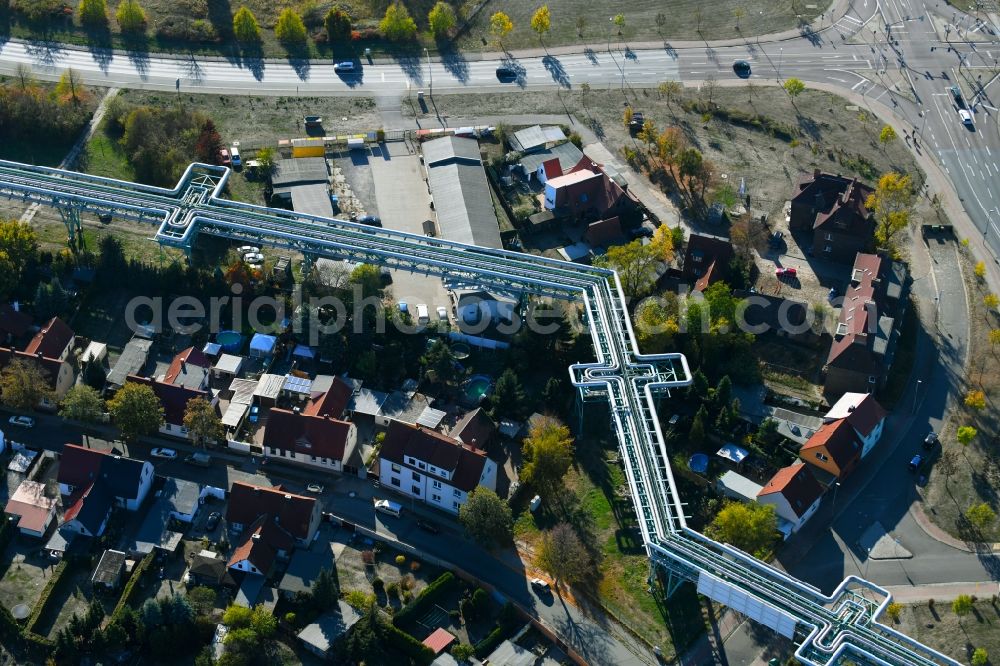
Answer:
(427, 526)
(930, 441)
(506, 73)
(370, 220)
(345, 67)
(956, 94)
(742, 69)
(641, 232)
(916, 462)
(213, 521)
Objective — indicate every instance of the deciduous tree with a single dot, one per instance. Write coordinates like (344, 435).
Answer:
(991, 301)
(541, 21)
(892, 205)
(441, 19)
(486, 517)
(338, 25)
(975, 399)
(635, 264)
(397, 24)
(794, 87)
(18, 248)
(93, 13)
(290, 30)
(962, 605)
(980, 516)
(500, 27)
(619, 21)
(669, 90)
(70, 88)
(886, 136)
(209, 143)
(203, 422)
(965, 435)
(980, 269)
(980, 657)
(749, 527)
(136, 410)
(562, 555)
(82, 403)
(131, 17)
(24, 384)
(581, 23)
(245, 26)
(548, 451)
(947, 464)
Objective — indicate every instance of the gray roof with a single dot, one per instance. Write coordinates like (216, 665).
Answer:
(567, 154)
(327, 628)
(109, 569)
(304, 568)
(535, 136)
(300, 170)
(509, 654)
(176, 495)
(312, 199)
(464, 204)
(366, 401)
(451, 149)
(132, 360)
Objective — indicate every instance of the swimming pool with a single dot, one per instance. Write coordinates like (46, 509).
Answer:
(230, 341)
(476, 388)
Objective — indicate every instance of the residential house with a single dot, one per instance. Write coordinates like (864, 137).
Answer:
(190, 369)
(604, 233)
(475, 429)
(706, 260)
(128, 480)
(864, 341)
(259, 547)
(833, 451)
(536, 138)
(795, 495)
(426, 465)
(589, 191)
(460, 193)
(208, 569)
(174, 398)
(54, 340)
(833, 208)
(304, 568)
(131, 362)
(108, 574)
(58, 373)
(320, 636)
(332, 402)
(87, 511)
(296, 515)
(550, 162)
(321, 442)
(174, 500)
(738, 487)
(863, 414)
(31, 509)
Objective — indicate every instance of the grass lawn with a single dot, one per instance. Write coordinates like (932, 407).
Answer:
(958, 637)
(73, 595)
(23, 576)
(205, 26)
(598, 500)
(977, 473)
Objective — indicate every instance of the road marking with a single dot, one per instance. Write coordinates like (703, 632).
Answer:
(988, 151)
(859, 83)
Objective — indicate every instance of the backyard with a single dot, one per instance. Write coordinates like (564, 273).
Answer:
(938, 626)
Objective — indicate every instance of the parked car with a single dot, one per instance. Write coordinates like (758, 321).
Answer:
(742, 69)
(391, 508)
(160, 452)
(22, 421)
(641, 232)
(253, 258)
(371, 220)
(403, 307)
(213, 521)
(442, 313)
(428, 527)
(315, 488)
(785, 271)
(224, 158)
(345, 67)
(931, 440)
(237, 161)
(540, 586)
(199, 459)
(916, 462)
(246, 249)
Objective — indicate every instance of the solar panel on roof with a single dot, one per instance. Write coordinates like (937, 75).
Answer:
(298, 384)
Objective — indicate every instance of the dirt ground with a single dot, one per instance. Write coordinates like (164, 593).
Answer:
(947, 498)
(354, 574)
(25, 574)
(956, 636)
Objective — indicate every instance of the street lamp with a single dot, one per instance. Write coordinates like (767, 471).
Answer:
(430, 72)
(833, 507)
(916, 393)
(781, 52)
(611, 21)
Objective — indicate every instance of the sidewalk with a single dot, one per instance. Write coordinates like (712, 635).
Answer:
(914, 594)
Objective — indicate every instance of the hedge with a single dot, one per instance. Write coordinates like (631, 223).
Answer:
(430, 594)
(132, 584)
(43, 599)
(505, 623)
(414, 649)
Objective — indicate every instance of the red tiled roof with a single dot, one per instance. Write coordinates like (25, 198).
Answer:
(797, 484)
(51, 340)
(255, 546)
(79, 466)
(604, 232)
(439, 640)
(839, 439)
(866, 415)
(707, 259)
(190, 356)
(319, 436)
(248, 502)
(173, 398)
(13, 322)
(333, 402)
(31, 505)
(552, 168)
(433, 448)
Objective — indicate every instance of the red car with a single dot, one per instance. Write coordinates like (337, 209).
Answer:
(224, 159)
(782, 271)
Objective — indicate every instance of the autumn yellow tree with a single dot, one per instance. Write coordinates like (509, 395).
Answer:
(541, 21)
(892, 205)
(980, 269)
(500, 27)
(975, 399)
(669, 145)
(994, 337)
(991, 301)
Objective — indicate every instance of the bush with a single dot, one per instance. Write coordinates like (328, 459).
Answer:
(43, 599)
(414, 649)
(467, 609)
(131, 586)
(392, 589)
(400, 560)
(486, 646)
(378, 585)
(445, 583)
(480, 601)
(414, 566)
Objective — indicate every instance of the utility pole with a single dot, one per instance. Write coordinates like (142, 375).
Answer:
(430, 72)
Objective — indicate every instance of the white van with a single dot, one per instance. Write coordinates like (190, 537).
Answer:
(423, 316)
(391, 508)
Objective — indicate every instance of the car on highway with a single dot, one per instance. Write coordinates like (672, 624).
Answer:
(916, 462)
(506, 73)
(930, 441)
(785, 272)
(540, 586)
(160, 452)
(22, 421)
(956, 94)
(428, 526)
(315, 488)
(345, 67)
(742, 69)
(213, 521)
(371, 220)
(966, 118)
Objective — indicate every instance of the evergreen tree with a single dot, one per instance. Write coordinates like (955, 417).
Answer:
(508, 396)
(553, 395)
(724, 392)
(699, 384)
(697, 433)
(324, 590)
